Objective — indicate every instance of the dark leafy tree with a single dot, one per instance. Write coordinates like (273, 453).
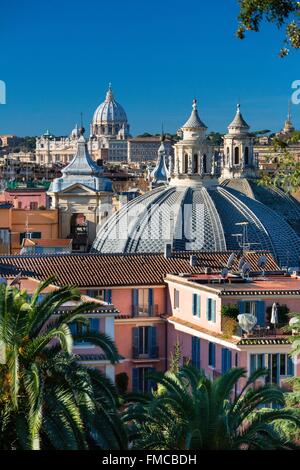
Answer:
(282, 13)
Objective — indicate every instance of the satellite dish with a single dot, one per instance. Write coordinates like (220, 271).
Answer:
(224, 273)
(230, 260)
(247, 321)
(241, 263)
(246, 269)
(262, 261)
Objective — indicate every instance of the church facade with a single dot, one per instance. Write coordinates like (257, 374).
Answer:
(109, 132)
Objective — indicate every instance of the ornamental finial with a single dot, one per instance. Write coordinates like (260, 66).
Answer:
(109, 94)
(194, 105)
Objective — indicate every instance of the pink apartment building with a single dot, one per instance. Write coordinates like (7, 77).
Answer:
(197, 323)
(26, 198)
(153, 309)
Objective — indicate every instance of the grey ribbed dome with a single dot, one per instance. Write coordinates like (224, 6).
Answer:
(197, 218)
(194, 121)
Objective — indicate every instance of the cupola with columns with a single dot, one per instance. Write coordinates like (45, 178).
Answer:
(194, 160)
(238, 155)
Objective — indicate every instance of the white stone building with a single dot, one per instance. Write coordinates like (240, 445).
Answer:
(109, 131)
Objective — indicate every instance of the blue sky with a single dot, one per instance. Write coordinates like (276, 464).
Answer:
(58, 57)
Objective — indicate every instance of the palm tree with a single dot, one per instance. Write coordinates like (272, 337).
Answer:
(47, 398)
(189, 411)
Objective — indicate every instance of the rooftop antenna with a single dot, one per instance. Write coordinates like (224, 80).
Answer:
(224, 273)
(246, 269)
(262, 261)
(230, 260)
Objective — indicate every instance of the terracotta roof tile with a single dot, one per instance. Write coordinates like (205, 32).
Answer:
(108, 270)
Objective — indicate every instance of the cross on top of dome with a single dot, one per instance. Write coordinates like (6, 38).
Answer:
(109, 94)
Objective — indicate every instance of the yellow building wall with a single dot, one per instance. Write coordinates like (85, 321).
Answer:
(20, 220)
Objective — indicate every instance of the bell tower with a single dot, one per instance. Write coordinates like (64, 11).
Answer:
(238, 155)
(194, 156)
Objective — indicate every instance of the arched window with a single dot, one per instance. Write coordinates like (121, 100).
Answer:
(204, 163)
(196, 166)
(186, 163)
(246, 155)
(236, 156)
(227, 151)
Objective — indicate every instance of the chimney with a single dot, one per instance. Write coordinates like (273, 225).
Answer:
(193, 260)
(207, 270)
(168, 250)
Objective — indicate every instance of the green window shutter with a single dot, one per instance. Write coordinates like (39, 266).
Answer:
(252, 363)
(135, 379)
(213, 316)
(208, 309)
(152, 348)
(198, 306)
(194, 304)
(290, 366)
(260, 312)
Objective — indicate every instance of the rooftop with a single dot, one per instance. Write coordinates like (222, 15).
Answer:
(108, 270)
(259, 285)
(57, 242)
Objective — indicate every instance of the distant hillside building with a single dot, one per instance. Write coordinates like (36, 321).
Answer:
(109, 131)
(82, 196)
(143, 149)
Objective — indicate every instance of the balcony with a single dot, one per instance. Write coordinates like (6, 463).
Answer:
(144, 310)
(152, 354)
(261, 332)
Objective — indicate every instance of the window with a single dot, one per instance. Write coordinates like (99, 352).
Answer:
(80, 329)
(142, 302)
(196, 352)
(100, 294)
(204, 169)
(144, 342)
(212, 354)
(19, 205)
(29, 235)
(33, 205)
(226, 360)
(140, 381)
(278, 365)
(211, 310)
(256, 308)
(176, 298)
(246, 155)
(186, 163)
(196, 305)
(236, 156)
(196, 169)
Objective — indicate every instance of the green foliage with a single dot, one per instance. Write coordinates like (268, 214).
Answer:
(47, 398)
(286, 173)
(294, 327)
(189, 411)
(230, 310)
(279, 12)
(175, 358)
(216, 138)
(262, 132)
(229, 326)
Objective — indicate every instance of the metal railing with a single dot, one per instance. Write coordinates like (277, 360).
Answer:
(151, 354)
(144, 310)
